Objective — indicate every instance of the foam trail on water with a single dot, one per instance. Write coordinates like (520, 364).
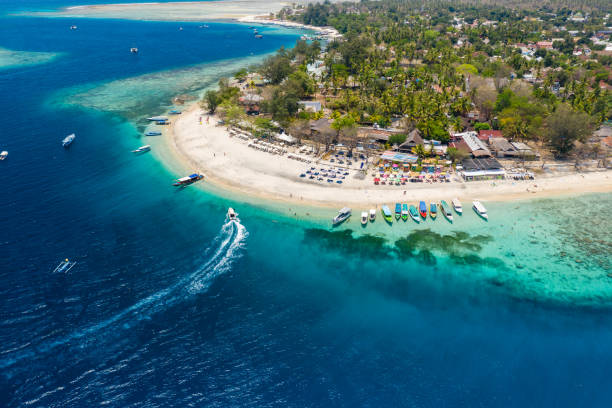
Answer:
(230, 239)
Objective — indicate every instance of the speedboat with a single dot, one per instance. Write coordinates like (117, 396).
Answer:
(64, 266)
(153, 134)
(480, 209)
(398, 211)
(457, 206)
(68, 140)
(142, 149)
(231, 214)
(342, 216)
(73, 27)
(184, 181)
(433, 210)
(134, 50)
(372, 214)
(157, 119)
(404, 211)
(364, 218)
(446, 210)
(423, 209)
(386, 212)
(3, 155)
(414, 214)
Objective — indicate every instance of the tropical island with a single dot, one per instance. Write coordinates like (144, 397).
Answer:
(393, 99)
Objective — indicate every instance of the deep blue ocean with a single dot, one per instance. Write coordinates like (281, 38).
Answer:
(169, 305)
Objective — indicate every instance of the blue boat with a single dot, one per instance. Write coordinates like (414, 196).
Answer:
(68, 140)
(153, 134)
(162, 122)
(192, 178)
(398, 211)
(175, 112)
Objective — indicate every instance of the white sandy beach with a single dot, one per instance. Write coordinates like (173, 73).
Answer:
(229, 163)
(179, 11)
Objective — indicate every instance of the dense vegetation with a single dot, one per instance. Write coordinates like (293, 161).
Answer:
(434, 65)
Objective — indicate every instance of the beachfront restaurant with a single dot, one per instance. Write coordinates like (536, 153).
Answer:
(482, 169)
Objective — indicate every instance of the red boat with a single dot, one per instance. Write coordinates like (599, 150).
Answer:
(423, 209)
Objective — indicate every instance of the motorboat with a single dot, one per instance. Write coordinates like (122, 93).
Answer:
(342, 216)
(3, 155)
(364, 218)
(457, 206)
(157, 119)
(153, 134)
(372, 214)
(386, 212)
(184, 181)
(258, 36)
(433, 210)
(446, 210)
(64, 266)
(423, 209)
(480, 209)
(398, 211)
(404, 211)
(68, 140)
(414, 214)
(73, 27)
(175, 112)
(142, 149)
(232, 215)
(134, 50)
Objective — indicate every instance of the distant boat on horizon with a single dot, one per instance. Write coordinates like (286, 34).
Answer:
(134, 50)
(64, 266)
(68, 140)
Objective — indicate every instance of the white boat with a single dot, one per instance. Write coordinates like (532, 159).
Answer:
(480, 209)
(142, 149)
(3, 155)
(64, 266)
(231, 214)
(134, 50)
(73, 27)
(364, 218)
(457, 206)
(372, 214)
(68, 140)
(343, 215)
(157, 119)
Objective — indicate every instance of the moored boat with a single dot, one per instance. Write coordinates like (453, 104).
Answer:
(414, 214)
(232, 215)
(423, 209)
(3, 155)
(184, 181)
(68, 140)
(364, 218)
(157, 118)
(433, 210)
(175, 112)
(342, 216)
(134, 50)
(398, 211)
(480, 209)
(372, 214)
(446, 210)
(457, 206)
(404, 211)
(386, 212)
(142, 149)
(153, 134)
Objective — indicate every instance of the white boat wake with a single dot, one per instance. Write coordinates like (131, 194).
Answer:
(228, 242)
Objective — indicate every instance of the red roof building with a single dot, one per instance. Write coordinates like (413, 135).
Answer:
(485, 135)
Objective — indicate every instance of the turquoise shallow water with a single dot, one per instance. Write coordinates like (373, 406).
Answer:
(170, 305)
